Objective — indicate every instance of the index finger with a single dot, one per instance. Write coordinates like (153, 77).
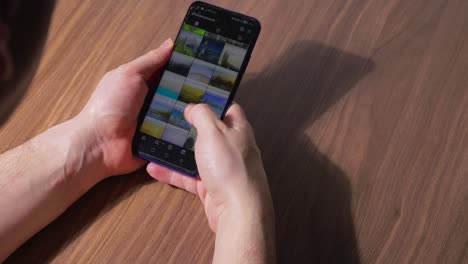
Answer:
(203, 118)
(235, 117)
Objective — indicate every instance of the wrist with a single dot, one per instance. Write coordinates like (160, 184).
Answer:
(252, 198)
(86, 157)
(251, 208)
(75, 151)
(42, 178)
(253, 203)
(246, 233)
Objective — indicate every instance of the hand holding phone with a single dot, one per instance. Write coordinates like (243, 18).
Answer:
(210, 56)
(233, 186)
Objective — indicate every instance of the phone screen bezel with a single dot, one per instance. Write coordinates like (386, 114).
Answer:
(190, 169)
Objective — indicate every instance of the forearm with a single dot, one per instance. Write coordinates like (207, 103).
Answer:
(39, 180)
(246, 235)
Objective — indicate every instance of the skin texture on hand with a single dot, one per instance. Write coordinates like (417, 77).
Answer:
(36, 186)
(113, 109)
(232, 186)
(96, 144)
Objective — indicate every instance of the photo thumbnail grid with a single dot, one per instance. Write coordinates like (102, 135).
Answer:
(202, 69)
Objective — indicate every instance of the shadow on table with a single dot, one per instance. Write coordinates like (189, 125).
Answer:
(311, 195)
(48, 243)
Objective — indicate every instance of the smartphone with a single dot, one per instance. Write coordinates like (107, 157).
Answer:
(210, 55)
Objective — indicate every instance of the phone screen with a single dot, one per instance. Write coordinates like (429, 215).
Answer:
(210, 55)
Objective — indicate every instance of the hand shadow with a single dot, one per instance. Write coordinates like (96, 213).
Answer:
(311, 195)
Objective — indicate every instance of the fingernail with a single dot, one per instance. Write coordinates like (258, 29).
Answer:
(167, 43)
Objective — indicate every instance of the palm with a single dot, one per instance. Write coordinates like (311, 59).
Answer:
(114, 109)
(117, 147)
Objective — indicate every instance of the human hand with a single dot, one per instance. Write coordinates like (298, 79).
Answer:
(233, 181)
(110, 117)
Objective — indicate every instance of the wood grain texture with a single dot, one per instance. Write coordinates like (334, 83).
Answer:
(360, 109)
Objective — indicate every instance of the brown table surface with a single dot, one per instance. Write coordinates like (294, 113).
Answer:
(360, 109)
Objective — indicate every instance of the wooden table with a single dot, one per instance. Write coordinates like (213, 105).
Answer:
(360, 108)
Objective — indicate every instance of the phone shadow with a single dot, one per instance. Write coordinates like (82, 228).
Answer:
(311, 195)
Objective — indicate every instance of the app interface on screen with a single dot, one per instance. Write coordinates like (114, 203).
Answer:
(202, 69)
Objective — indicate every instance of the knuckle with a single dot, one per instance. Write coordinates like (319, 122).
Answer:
(236, 106)
(249, 151)
(244, 127)
(133, 81)
(155, 53)
(123, 74)
(125, 70)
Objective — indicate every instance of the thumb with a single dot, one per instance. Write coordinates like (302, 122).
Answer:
(152, 61)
